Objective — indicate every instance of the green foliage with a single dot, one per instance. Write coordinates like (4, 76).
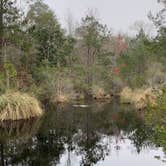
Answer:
(93, 36)
(11, 70)
(161, 42)
(93, 33)
(135, 61)
(52, 82)
(52, 44)
(2, 84)
(12, 77)
(156, 119)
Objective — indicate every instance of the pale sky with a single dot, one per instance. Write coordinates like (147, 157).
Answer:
(117, 14)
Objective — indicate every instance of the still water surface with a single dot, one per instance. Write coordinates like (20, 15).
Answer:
(101, 135)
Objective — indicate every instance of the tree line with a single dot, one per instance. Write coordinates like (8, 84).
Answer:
(38, 56)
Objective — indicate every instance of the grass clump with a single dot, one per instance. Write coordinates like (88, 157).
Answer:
(100, 94)
(17, 106)
(126, 95)
(140, 98)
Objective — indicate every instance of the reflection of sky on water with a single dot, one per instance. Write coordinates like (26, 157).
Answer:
(122, 153)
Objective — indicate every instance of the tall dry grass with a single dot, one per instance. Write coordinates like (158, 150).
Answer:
(99, 93)
(126, 95)
(139, 97)
(17, 106)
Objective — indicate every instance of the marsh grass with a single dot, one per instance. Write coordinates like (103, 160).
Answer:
(140, 98)
(126, 95)
(17, 106)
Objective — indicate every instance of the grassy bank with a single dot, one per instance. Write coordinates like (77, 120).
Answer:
(17, 106)
(140, 98)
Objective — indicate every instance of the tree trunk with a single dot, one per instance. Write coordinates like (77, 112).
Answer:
(6, 69)
(58, 80)
(1, 31)
(90, 62)
(88, 80)
(7, 79)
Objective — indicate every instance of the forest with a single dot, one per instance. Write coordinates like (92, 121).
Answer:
(43, 64)
(39, 57)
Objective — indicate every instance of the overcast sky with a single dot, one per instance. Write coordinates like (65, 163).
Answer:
(117, 14)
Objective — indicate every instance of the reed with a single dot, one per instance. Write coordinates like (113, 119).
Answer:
(17, 106)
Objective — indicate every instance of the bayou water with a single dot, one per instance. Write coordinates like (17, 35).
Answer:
(100, 134)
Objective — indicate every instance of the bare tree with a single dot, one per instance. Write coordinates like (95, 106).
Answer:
(70, 23)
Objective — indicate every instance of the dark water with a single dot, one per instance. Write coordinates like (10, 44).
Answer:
(101, 134)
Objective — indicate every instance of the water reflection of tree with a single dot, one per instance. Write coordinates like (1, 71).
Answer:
(107, 123)
(141, 137)
(44, 147)
(55, 135)
(89, 142)
(130, 124)
(12, 133)
(86, 132)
